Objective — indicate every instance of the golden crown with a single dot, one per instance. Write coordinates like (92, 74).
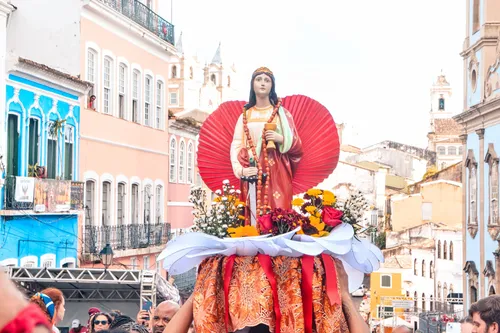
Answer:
(263, 70)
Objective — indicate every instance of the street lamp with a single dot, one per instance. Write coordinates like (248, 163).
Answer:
(106, 256)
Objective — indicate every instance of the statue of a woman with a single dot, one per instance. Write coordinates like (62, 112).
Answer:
(272, 170)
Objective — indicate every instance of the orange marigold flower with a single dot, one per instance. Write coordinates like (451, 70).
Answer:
(298, 202)
(314, 192)
(243, 231)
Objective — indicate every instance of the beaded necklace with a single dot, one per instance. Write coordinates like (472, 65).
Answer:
(261, 206)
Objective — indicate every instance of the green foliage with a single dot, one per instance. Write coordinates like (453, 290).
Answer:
(380, 240)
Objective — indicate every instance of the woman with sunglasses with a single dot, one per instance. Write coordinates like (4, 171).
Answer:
(100, 322)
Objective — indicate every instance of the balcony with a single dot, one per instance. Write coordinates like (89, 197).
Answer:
(42, 195)
(125, 237)
(145, 17)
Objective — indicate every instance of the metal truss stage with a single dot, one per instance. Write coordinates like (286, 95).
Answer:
(84, 284)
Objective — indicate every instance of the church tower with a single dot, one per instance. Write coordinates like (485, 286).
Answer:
(444, 132)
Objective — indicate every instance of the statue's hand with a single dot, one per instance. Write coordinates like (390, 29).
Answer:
(249, 172)
(273, 136)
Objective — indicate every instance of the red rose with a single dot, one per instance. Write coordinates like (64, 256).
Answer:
(265, 223)
(331, 216)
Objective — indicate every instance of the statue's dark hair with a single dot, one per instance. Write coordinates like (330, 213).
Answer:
(273, 97)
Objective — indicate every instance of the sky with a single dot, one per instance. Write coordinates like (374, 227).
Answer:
(371, 63)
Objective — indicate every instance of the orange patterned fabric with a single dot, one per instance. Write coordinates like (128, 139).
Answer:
(251, 301)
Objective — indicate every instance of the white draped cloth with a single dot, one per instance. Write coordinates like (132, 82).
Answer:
(358, 256)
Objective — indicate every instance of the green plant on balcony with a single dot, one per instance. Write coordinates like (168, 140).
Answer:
(32, 170)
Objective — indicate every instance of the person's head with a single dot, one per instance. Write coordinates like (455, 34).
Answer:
(466, 325)
(486, 315)
(51, 301)
(401, 329)
(262, 85)
(93, 311)
(76, 326)
(163, 314)
(100, 322)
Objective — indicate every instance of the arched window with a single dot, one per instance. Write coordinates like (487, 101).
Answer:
(173, 158)
(415, 300)
(159, 204)
(159, 104)
(147, 203)
(108, 87)
(439, 291)
(445, 292)
(439, 249)
(135, 204)
(441, 104)
(441, 150)
(451, 250)
(174, 71)
(106, 203)
(120, 204)
(423, 268)
(136, 95)
(452, 150)
(431, 302)
(148, 97)
(228, 81)
(213, 79)
(89, 202)
(190, 163)
(445, 250)
(415, 267)
(182, 157)
(473, 294)
(431, 270)
(122, 90)
(423, 301)
(92, 66)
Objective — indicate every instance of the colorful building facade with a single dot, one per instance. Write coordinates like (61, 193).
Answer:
(481, 138)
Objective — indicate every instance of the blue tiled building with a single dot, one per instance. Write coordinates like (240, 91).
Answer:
(41, 196)
(481, 137)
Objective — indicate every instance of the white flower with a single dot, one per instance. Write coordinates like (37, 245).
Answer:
(225, 182)
(232, 191)
(224, 198)
(218, 192)
(238, 191)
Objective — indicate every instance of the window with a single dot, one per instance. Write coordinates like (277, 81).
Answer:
(213, 79)
(107, 78)
(415, 270)
(472, 166)
(385, 311)
(89, 202)
(423, 301)
(68, 152)
(92, 66)
(33, 142)
(439, 291)
(159, 104)
(492, 160)
(441, 150)
(136, 94)
(451, 250)
(135, 204)
(122, 96)
(452, 150)
(51, 153)
(228, 81)
(473, 294)
(174, 72)
(475, 16)
(48, 261)
(182, 152)
(427, 211)
(190, 163)
(445, 250)
(106, 193)
(148, 86)
(145, 262)
(133, 263)
(431, 270)
(445, 292)
(441, 104)
(120, 204)
(13, 146)
(147, 204)
(159, 203)
(173, 158)
(439, 249)
(386, 281)
(431, 302)
(423, 268)
(173, 98)
(415, 300)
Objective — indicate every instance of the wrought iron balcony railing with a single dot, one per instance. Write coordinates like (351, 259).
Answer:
(124, 237)
(144, 16)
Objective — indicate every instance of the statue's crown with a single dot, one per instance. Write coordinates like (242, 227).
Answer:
(261, 70)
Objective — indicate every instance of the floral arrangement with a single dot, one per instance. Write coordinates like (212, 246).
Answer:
(317, 213)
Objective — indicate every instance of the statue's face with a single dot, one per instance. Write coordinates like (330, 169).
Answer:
(262, 85)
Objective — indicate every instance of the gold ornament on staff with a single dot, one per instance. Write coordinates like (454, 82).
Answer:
(270, 127)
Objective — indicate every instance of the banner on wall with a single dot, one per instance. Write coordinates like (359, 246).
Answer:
(25, 188)
(52, 196)
(76, 195)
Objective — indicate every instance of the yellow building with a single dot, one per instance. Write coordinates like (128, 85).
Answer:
(438, 201)
(384, 283)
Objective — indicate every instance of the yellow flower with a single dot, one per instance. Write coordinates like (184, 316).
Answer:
(328, 198)
(311, 209)
(298, 202)
(243, 231)
(314, 192)
(241, 217)
(316, 222)
(321, 234)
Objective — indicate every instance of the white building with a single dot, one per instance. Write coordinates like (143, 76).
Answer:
(435, 252)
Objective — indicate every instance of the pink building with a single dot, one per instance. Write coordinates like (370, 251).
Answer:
(124, 155)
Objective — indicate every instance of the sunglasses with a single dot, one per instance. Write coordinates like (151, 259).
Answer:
(100, 322)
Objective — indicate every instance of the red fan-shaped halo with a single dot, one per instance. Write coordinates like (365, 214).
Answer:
(316, 129)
